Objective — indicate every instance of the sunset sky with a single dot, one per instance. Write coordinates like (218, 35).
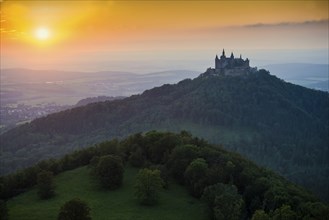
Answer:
(105, 35)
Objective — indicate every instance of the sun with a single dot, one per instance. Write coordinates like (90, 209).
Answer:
(42, 33)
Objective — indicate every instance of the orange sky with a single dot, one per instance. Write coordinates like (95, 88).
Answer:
(116, 28)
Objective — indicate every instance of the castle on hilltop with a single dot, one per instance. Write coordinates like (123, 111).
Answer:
(231, 66)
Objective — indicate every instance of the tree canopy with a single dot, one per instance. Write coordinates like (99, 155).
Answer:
(225, 201)
(109, 171)
(148, 183)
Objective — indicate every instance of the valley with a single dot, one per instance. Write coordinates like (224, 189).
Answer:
(28, 94)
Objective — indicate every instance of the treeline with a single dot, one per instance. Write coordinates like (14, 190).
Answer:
(231, 186)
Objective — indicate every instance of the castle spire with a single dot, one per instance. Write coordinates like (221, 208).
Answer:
(216, 57)
(223, 55)
(232, 56)
(240, 56)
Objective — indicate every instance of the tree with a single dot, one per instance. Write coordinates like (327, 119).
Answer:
(93, 163)
(229, 168)
(224, 201)
(260, 215)
(3, 210)
(159, 145)
(180, 158)
(195, 176)
(45, 184)
(110, 170)
(164, 174)
(137, 158)
(74, 209)
(148, 183)
(315, 210)
(254, 193)
(284, 213)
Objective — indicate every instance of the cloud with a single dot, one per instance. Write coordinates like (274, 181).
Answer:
(308, 34)
(288, 24)
(309, 25)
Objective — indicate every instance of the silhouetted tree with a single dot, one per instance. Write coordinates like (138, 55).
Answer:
(110, 170)
(74, 209)
(180, 158)
(224, 201)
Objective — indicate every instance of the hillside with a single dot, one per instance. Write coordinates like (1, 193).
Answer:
(119, 204)
(224, 184)
(277, 124)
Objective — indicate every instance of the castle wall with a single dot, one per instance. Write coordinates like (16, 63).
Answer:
(236, 71)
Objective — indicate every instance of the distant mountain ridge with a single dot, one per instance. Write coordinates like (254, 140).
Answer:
(277, 124)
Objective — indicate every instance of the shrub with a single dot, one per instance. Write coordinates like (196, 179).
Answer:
(74, 209)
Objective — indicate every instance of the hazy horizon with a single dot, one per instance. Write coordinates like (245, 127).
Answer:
(147, 36)
(197, 61)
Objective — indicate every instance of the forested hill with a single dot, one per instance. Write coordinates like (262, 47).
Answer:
(277, 124)
(230, 186)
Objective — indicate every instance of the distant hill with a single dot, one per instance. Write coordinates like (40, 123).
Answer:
(277, 124)
(90, 100)
(314, 76)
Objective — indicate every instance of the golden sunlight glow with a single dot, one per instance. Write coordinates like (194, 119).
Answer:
(37, 32)
(42, 33)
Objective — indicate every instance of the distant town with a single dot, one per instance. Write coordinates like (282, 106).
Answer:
(16, 114)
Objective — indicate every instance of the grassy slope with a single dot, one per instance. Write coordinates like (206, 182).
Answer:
(174, 203)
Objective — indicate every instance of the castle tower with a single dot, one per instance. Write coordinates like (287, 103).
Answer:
(217, 64)
(232, 56)
(247, 62)
(223, 55)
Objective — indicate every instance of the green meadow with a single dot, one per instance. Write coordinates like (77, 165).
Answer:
(120, 204)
